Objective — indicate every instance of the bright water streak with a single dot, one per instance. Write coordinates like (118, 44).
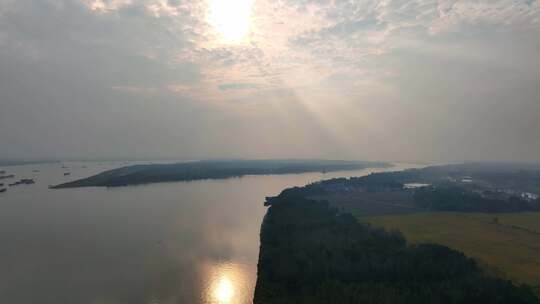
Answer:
(185, 242)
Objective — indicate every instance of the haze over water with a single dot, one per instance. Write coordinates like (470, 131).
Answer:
(185, 242)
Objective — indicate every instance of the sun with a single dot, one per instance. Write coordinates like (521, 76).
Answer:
(230, 18)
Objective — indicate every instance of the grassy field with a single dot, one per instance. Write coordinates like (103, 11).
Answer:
(371, 203)
(508, 244)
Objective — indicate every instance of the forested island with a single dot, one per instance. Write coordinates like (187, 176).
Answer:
(212, 169)
(314, 250)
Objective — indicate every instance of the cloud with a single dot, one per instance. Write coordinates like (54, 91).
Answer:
(237, 86)
(435, 79)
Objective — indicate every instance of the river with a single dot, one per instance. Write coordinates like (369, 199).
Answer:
(183, 242)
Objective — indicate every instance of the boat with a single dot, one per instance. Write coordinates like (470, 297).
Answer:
(3, 190)
(67, 173)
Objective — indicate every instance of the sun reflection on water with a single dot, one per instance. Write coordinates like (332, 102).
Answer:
(228, 283)
(224, 290)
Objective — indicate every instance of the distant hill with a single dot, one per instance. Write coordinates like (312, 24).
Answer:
(211, 169)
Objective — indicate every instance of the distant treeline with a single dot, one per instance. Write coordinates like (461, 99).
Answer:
(218, 169)
(458, 199)
(442, 196)
(15, 162)
(311, 253)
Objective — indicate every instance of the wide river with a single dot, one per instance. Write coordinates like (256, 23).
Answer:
(184, 242)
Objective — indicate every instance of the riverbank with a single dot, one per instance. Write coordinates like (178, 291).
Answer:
(315, 252)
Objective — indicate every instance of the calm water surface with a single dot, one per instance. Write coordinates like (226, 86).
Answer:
(185, 242)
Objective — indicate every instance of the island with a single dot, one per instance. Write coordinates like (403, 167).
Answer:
(415, 236)
(212, 169)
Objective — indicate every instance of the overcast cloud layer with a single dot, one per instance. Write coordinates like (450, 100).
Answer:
(397, 80)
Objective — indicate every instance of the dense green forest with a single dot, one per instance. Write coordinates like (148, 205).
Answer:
(311, 253)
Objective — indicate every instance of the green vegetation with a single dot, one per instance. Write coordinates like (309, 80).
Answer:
(454, 198)
(509, 244)
(313, 249)
(145, 174)
(459, 188)
(311, 253)
(372, 203)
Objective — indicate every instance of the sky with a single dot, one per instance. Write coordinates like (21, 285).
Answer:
(421, 80)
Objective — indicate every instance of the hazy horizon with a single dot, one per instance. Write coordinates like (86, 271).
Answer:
(423, 80)
(5, 162)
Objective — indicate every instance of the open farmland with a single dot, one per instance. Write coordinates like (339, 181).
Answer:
(509, 243)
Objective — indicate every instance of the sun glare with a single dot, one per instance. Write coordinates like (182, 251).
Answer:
(224, 290)
(230, 19)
